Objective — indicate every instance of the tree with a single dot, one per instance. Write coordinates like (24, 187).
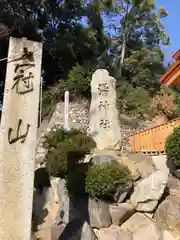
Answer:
(17, 20)
(144, 67)
(66, 41)
(139, 23)
(72, 50)
(132, 101)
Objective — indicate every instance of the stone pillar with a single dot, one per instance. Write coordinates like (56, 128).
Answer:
(18, 133)
(104, 123)
(66, 110)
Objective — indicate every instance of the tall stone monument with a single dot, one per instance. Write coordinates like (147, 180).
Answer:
(18, 132)
(104, 123)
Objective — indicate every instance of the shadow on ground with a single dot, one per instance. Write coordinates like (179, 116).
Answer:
(41, 180)
(76, 191)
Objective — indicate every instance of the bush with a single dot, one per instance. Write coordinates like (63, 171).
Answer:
(51, 97)
(103, 180)
(132, 101)
(77, 83)
(79, 79)
(65, 150)
(58, 135)
(172, 147)
(164, 103)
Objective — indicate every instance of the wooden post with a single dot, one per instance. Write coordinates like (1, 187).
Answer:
(18, 132)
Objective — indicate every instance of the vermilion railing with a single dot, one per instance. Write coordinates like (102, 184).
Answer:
(153, 139)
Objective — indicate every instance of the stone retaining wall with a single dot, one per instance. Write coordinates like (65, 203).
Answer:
(78, 118)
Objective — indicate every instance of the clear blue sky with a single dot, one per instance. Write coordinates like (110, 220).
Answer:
(172, 25)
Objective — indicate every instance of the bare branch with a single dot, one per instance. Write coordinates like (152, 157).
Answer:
(4, 30)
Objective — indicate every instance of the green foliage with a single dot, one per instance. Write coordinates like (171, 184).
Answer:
(176, 97)
(138, 101)
(132, 101)
(138, 58)
(51, 97)
(102, 180)
(139, 26)
(144, 67)
(66, 41)
(72, 50)
(66, 149)
(143, 2)
(78, 84)
(172, 146)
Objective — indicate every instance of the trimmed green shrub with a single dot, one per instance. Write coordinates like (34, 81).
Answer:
(66, 149)
(172, 147)
(57, 135)
(103, 180)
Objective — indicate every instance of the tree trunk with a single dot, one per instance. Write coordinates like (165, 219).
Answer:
(123, 51)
